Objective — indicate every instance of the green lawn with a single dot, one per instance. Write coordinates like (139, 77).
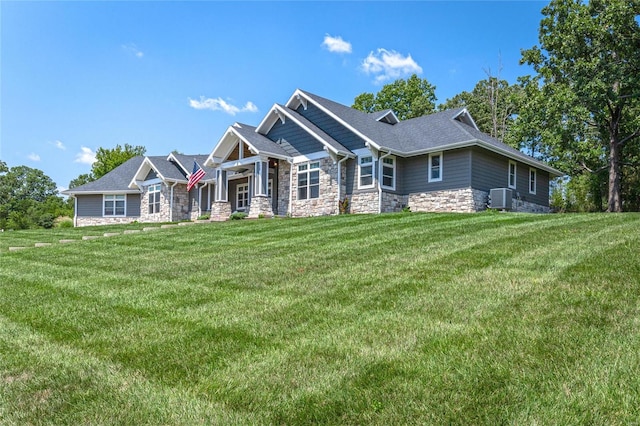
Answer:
(385, 319)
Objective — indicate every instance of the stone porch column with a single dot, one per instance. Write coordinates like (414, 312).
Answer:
(260, 205)
(220, 211)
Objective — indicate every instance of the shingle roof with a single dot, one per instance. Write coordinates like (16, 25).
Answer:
(117, 180)
(260, 142)
(328, 140)
(186, 161)
(439, 130)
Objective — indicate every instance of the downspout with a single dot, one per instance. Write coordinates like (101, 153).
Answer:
(379, 180)
(199, 201)
(171, 203)
(340, 180)
(75, 211)
(290, 186)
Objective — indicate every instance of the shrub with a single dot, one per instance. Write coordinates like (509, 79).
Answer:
(66, 223)
(343, 206)
(205, 216)
(238, 215)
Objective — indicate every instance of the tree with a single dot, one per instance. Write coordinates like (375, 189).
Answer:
(410, 98)
(109, 159)
(81, 180)
(492, 104)
(27, 197)
(588, 64)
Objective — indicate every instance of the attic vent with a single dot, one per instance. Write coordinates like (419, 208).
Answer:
(500, 198)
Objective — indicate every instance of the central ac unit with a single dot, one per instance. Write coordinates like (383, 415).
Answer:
(501, 198)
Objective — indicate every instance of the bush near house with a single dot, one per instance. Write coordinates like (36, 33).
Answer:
(356, 319)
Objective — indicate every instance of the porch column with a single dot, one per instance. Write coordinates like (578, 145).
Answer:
(221, 208)
(260, 205)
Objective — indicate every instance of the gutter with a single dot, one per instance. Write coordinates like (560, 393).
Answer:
(379, 182)
(75, 211)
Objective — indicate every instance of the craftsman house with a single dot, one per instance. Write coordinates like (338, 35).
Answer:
(312, 155)
(309, 155)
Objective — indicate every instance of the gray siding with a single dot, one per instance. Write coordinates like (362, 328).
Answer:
(491, 170)
(352, 177)
(331, 127)
(298, 138)
(151, 175)
(133, 204)
(455, 172)
(89, 205)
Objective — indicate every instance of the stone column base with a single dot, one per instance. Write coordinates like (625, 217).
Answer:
(220, 211)
(260, 207)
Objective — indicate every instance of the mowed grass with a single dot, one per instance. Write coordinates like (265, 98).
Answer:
(384, 319)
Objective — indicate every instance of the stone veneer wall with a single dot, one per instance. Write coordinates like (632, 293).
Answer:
(364, 202)
(283, 187)
(180, 205)
(527, 207)
(463, 200)
(98, 220)
(260, 206)
(393, 202)
(220, 211)
(327, 202)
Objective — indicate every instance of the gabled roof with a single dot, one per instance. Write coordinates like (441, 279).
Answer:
(257, 143)
(116, 181)
(185, 162)
(281, 112)
(439, 131)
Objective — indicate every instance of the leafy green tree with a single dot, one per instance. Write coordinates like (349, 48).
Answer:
(588, 64)
(492, 104)
(26, 197)
(410, 98)
(109, 159)
(81, 180)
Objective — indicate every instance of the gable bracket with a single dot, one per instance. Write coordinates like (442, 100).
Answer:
(302, 100)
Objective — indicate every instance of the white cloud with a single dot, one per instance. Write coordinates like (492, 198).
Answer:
(220, 104)
(33, 157)
(85, 156)
(389, 65)
(58, 144)
(336, 44)
(132, 49)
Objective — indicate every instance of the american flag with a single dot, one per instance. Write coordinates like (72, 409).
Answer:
(195, 177)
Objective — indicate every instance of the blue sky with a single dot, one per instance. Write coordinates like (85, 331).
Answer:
(76, 76)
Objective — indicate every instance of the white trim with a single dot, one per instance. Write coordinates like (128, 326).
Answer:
(359, 167)
(515, 175)
(308, 172)
(466, 113)
(535, 180)
(394, 120)
(440, 166)
(248, 192)
(149, 197)
(239, 163)
(310, 157)
(393, 177)
(104, 199)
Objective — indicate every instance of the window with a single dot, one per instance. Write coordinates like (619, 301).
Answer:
(532, 181)
(115, 205)
(389, 173)
(309, 180)
(512, 174)
(270, 189)
(365, 172)
(435, 167)
(154, 198)
(242, 201)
